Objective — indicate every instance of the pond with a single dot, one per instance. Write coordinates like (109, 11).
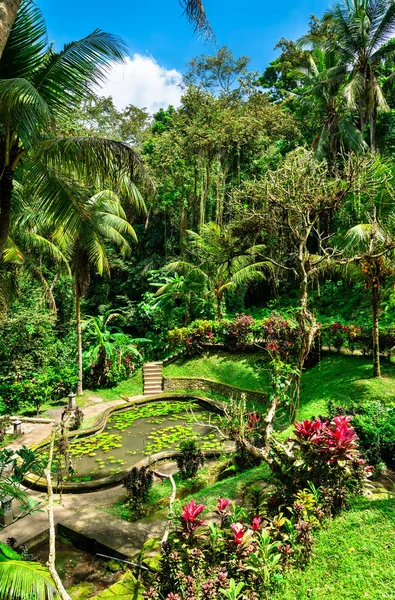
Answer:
(138, 432)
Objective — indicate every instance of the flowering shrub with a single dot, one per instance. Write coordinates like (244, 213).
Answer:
(282, 338)
(325, 454)
(138, 483)
(202, 561)
(239, 331)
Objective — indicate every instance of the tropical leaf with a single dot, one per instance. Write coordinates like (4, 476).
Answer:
(24, 580)
(26, 45)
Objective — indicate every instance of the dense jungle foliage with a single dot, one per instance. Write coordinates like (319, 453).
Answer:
(261, 192)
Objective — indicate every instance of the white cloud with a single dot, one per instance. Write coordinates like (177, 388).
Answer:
(143, 82)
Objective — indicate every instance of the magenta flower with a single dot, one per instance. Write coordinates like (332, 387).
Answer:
(238, 532)
(256, 523)
(191, 510)
(222, 504)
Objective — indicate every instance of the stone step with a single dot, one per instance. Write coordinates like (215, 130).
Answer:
(152, 378)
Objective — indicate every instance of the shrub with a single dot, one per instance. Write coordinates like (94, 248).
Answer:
(239, 331)
(203, 561)
(190, 460)
(325, 455)
(138, 483)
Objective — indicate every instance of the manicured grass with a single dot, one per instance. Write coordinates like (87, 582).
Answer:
(354, 557)
(246, 371)
(344, 380)
(231, 487)
(129, 387)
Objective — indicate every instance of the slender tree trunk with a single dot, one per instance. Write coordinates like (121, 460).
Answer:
(52, 533)
(6, 184)
(219, 313)
(373, 125)
(8, 11)
(79, 332)
(48, 290)
(375, 329)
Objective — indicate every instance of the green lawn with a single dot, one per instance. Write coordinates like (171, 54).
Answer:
(246, 371)
(345, 380)
(354, 557)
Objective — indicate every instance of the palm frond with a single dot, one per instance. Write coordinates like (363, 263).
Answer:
(102, 159)
(25, 580)
(196, 15)
(22, 110)
(68, 77)
(26, 44)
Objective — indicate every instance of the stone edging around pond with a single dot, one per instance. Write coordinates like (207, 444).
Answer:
(172, 384)
(39, 483)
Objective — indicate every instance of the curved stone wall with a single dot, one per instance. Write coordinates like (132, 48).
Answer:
(39, 483)
(171, 384)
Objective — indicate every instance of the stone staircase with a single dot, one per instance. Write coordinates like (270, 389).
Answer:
(153, 378)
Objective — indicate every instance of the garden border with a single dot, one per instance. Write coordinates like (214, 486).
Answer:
(40, 484)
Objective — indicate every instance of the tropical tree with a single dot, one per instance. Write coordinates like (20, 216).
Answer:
(371, 245)
(361, 32)
(38, 87)
(109, 342)
(23, 580)
(96, 220)
(325, 97)
(219, 263)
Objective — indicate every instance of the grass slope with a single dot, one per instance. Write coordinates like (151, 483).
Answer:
(354, 557)
(344, 380)
(246, 371)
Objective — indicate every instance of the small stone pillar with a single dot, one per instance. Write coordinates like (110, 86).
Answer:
(6, 516)
(17, 424)
(72, 405)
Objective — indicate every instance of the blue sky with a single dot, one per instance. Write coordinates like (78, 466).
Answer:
(158, 30)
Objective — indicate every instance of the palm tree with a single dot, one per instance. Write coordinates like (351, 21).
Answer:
(361, 32)
(370, 245)
(326, 96)
(82, 238)
(28, 243)
(23, 580)
(38, 86)
(109, 342)
(218, 264)
(194, 12)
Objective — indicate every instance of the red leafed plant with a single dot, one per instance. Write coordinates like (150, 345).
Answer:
(238, 532)
(190, 512)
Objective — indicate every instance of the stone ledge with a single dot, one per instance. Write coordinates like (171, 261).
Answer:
(39, 483)
(198, 384)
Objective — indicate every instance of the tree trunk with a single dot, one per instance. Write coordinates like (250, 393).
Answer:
(375, 329)
(6, 184)
(8, 11)
(79, 332)
(52, 533)
(373, 125)
(219, 314)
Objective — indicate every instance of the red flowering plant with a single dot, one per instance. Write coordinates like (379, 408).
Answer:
(325, 454)
(189, 517)
(243, 547)
(222, 510)
(239, 331)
